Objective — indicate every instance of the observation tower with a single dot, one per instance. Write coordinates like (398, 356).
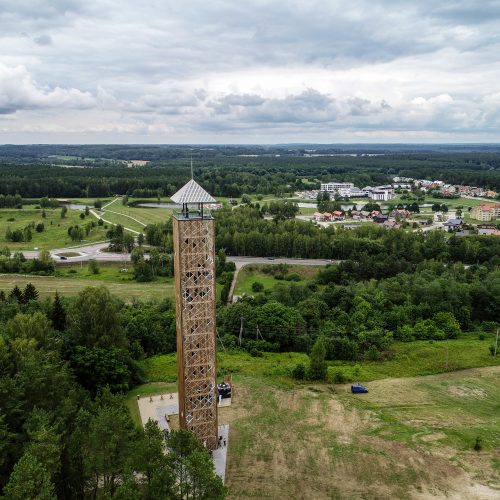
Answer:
(194, 264)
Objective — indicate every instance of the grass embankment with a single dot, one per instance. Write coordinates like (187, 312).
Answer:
(253, 273)
(55, 233)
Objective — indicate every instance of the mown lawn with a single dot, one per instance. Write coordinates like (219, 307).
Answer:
(406, 436)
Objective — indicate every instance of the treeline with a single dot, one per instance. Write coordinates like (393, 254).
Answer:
(244, 231)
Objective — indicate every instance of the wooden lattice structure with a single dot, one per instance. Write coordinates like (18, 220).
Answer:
(194, 262)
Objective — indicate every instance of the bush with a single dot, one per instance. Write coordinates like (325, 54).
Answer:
(492, 350)
(478, 444)
(293, 277)
(481, 336)
(339, 377)
(299, 372)
(373, 353)
(257, 287)
(93, 267)
(256, 353)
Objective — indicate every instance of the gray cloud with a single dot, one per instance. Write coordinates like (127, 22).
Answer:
(43, 40)
(195, 68)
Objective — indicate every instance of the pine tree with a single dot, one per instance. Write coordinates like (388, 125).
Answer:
(30, 293)
(16, 294)
(29, 479)
(58, 314)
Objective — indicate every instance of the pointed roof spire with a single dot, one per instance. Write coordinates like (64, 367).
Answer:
(192, 192)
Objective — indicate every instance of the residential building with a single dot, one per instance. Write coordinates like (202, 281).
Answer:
(342, 188)
(486, 212)
(454, 223)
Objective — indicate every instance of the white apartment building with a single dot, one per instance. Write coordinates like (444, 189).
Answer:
(342, 188)
(382, 194)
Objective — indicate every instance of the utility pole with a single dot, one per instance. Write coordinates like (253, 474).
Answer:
(446, 354)
(241, 330)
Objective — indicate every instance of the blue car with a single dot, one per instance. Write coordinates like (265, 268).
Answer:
(358, 389)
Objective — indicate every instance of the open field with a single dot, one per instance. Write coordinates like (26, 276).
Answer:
(55, 234)
(252, 273)
(312, 443)
(407, 438)
(126, 289)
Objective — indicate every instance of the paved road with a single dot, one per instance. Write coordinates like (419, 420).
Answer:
(96, 251)
(85, 252)
(243, 261)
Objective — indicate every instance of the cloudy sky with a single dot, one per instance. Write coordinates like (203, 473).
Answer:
(260, 71)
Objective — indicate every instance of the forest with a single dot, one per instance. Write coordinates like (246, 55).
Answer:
(32, 173)
(64, 429)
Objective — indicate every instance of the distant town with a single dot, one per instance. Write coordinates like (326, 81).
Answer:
(403, 211)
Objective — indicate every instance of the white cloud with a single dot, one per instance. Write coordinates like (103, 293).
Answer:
(18, 91)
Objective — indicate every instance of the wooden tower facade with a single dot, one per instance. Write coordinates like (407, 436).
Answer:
(194, 263)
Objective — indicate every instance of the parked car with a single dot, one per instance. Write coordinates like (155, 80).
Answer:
(358, 389)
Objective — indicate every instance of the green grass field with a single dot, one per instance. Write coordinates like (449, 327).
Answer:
(142, 214)
(252, 273)
(55, 234)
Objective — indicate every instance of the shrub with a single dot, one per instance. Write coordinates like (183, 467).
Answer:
(257, 287)
(481, 336)
(373, 353)
(299, 372)
(478, 444)
(255, 353)
(492, 350)
(338, 377)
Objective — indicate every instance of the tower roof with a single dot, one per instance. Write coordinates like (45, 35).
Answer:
(192, 192)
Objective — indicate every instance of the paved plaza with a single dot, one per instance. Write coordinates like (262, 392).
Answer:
(161, 407)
